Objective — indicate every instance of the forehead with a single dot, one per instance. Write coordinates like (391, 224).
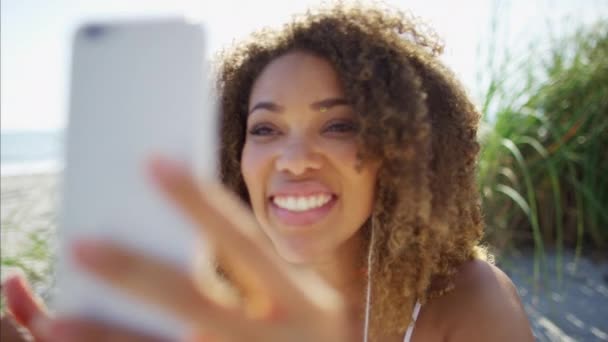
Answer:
(297, 75)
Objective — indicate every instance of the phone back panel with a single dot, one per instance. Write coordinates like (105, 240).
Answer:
(138, 89)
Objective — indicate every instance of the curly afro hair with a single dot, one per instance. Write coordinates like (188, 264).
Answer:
(414, 117)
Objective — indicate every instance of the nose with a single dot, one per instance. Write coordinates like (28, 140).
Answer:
(298, 157)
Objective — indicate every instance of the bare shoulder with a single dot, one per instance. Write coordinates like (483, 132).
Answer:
(487, 306)
(483, 306)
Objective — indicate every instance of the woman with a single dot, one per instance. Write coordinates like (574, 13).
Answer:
(355, 150)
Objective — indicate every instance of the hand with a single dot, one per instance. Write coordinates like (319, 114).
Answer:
(281, 304)
(28, 320)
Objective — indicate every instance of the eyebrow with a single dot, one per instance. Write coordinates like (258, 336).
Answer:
(270, 106)
(326, 104)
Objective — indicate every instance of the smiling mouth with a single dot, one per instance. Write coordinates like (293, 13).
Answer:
(302, 210)
(301, 203)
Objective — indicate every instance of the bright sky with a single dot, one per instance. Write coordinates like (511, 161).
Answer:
(35, 37)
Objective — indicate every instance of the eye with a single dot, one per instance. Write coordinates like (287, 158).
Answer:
(341, 127)
(262, 130)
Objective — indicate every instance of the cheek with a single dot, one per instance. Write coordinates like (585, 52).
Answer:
(342, 153)
(359, 186)
(255, 163)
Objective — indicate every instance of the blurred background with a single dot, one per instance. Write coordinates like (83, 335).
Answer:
(537, 70)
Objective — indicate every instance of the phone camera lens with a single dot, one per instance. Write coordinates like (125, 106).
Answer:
(94, 31)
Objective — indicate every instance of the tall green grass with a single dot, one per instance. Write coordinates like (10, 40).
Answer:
(543, 169)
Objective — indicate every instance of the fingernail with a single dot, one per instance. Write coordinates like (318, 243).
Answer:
(41, 327)
(89, 252)
(164, 170)
(16, 277)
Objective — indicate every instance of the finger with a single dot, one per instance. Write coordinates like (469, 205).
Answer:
(182, 189)
(23, 304)
(76, 330)
(242, 277)
(225, 220)
(160, 284)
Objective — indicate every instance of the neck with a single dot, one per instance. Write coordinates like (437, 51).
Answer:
(343, 271)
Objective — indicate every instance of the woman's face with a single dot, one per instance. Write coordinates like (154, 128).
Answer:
(299, 159)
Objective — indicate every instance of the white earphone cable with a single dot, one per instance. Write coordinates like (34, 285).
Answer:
(369, 282)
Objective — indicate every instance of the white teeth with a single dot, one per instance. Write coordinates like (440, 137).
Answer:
(301, 203)
(317, 201)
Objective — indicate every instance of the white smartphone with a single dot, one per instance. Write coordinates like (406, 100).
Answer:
(138, 89)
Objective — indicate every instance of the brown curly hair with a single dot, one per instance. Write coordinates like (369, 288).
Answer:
(413, 116)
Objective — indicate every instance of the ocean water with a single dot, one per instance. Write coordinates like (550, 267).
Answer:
(31, 152)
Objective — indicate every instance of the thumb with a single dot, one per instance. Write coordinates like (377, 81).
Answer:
(22, 303)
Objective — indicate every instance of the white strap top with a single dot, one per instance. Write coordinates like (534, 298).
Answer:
(410, 328)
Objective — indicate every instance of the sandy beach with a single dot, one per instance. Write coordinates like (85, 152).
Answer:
(28, 205)
(575, 310)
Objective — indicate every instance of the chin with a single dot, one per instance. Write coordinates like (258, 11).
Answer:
(298, 254)
(295, 257)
